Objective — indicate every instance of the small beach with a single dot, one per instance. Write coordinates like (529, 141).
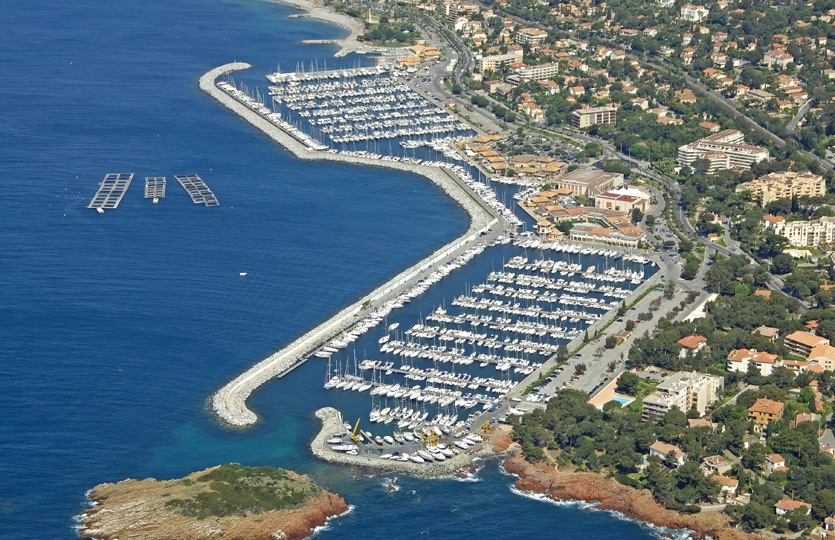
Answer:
(315, 9)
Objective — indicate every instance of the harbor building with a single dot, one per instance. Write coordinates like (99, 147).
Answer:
(583, 118)
(685, 390)
(802, 343)
(724, 150)
(620, 202)
(803, 233)
(531, 36)
(784, 185)
(589, 182)
(496, 61)
(630, 237)
(764, 411)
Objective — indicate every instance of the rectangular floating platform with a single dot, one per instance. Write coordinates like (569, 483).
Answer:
(154, 187)
(197, 189)
(111, 190)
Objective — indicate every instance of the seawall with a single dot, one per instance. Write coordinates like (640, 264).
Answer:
(229, 403)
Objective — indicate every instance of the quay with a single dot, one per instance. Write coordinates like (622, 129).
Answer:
(110, 192)
(229, 402)
(278, 77)
(332, 425)
(155, 188)
(197, 189)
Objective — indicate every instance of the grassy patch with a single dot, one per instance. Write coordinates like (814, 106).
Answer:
(237, 490)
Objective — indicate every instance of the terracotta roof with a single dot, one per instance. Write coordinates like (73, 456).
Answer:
(766, 406)
(692, 341)
(664, 448)
(724, 480)
(788, 504)
(807, 339)
(775, 458)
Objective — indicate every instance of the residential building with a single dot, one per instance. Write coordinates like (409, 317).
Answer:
(784, 185)
(684, 390)
(691, 343)
(764, 411)
(768, 331)
(531, 36)
(802, 343)
(669, 453)
(542, 71)
(730, 142)
(803, 233)
(774, 462)
(497, 61)
(728, 486)
(716, 465)
(824, 356)
(742, 359)
(693, 13)
(496, 86)
(588, 182)
(777, 59)
(787, 505)
(583, 118)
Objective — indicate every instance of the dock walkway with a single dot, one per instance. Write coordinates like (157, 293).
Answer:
(154, 187)
(197, 189)
(111, 190)
(229, 402)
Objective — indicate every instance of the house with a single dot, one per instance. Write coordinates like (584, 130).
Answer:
(669, 453)
(748, 440)
(700, 422)
(693, 13)
(716, 465)
(823, 356)
(768, 332)
(693, 343)
(764, 411)
(787, 505)
(774, 463)
(728, 486)
(802, 343)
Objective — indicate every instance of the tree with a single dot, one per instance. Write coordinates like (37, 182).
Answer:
(669, 290)
(637, 215)
(579, 369)
(630, 325)
(691, 269)
(611, 367)
(650, 220)
(757, 516)
(693, 413)
(685, 245)
(628, 383)
(562, 353)
(782, 264)
(611, 342)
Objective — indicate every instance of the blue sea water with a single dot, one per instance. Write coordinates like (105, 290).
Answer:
(116, 329)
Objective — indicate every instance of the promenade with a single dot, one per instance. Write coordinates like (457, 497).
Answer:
(229, 402)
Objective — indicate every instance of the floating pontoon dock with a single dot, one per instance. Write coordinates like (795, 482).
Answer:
(111, 191)
(155, 188)
(197, 189)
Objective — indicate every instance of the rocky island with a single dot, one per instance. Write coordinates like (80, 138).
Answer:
(223, 502)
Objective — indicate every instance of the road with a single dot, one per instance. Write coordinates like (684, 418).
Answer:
(792, 125)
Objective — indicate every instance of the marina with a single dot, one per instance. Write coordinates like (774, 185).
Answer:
(155, 188)
(110, 192)
(197, 189)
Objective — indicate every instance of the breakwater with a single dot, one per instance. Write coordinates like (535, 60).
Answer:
(229, 402)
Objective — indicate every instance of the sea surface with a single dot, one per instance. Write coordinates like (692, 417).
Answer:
(115, 329)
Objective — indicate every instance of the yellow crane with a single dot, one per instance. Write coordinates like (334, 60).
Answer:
(354, 434)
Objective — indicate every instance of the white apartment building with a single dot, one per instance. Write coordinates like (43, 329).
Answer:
(731, 143)
(531, 36)
(784, 185)
(542, 71)
(741, 359)
(804, 233)
(684, 390)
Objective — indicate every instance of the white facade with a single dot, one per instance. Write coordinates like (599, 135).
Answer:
(693, 13)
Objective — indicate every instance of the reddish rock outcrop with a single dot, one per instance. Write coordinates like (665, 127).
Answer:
(609, 494)
(136, 510)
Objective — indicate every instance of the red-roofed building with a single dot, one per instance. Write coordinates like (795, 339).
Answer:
(787, 505)
(764, 411)
(694, 343)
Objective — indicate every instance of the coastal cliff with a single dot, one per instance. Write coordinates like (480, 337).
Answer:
(607, 494)
(225, 502)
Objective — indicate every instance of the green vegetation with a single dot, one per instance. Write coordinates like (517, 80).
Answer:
(391, 34)
(237, 490)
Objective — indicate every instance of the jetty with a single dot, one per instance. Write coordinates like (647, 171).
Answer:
(155, 188)
(197, 189)
(229, 402)
(110, 192)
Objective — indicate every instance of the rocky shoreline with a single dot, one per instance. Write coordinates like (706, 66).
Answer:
(137, 510)
(609, 494)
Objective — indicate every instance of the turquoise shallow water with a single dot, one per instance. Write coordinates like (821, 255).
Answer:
(116, 329)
